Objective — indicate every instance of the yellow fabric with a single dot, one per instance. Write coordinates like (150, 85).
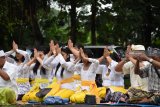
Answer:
(56, 86)
(93, 87)
(64, 93)
(76, 77)
(41, 80)
(54, 79)
(53, 83)
(22, 80)
(102, 92)
(78, 97)
(118, 89)
(31, 95)
(68, 80)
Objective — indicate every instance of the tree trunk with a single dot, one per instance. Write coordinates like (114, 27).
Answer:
(35, 27)
(36, 31)
(73, 16)
(93, 22)
(148, 27)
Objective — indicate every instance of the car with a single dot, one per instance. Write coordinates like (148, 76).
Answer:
(117, 52)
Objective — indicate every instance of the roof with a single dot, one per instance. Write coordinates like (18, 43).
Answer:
(109, 47)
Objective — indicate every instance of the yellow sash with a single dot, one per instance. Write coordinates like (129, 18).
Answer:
(76, 77)
(92, 85)
(41, 80)
(68, 80)
(93, 89)
(118, 89)
(22, 80)
(56, 86)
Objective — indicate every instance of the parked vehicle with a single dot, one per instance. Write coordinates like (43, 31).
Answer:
(117, 52)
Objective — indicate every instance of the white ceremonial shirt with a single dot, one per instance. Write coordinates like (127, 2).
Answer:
(111, 78)
(11, 70)
(136, 80)
(87, 75)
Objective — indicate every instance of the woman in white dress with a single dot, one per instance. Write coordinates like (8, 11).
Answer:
(61, 65)
(87, 71)
(20, 60)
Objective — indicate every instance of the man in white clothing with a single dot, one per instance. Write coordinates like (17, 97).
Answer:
(129, 67)
(8, 87)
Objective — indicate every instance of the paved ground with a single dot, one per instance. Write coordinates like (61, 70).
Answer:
(21, 104)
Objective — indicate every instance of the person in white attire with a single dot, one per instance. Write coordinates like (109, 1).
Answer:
(75, 54)
(21, 58)
(60, 63)
(40, 75)
(8, 87)
(128, 68)
(111, 79)
(87, 71)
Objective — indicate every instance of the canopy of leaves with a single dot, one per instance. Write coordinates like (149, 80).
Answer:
(116, 21)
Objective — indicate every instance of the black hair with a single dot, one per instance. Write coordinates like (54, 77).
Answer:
(56, 42)
(42, 69)
(79, 45)
(43, 48)
(115, 57)
(67, 51)
(32, 53)
(35, 68)
(23, 58)
(89, 53)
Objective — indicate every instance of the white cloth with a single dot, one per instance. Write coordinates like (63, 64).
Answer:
(72, 57)
(2, 53)
(52, 63)
(22, 70)
(39, 75)
(113, 78)
(11, 70)
(67, 73)
(138, 47)
(136, 81)
(90, 74)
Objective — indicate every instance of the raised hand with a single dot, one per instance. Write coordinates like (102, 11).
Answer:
(41, 55)
(50, 44)
(106, 52)
(82, 53)
(35, 53)
(58, 50)
(15, 46)
(70, 44)
(52, 47)
(128, 48)
(127, 55)
(143, 57)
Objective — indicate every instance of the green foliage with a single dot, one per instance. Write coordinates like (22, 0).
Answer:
(28, 21)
